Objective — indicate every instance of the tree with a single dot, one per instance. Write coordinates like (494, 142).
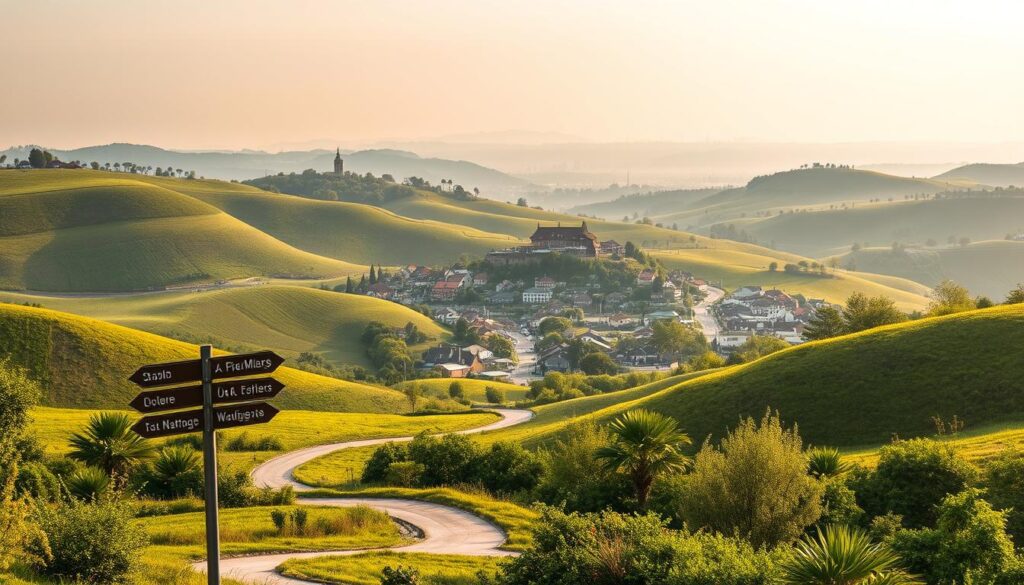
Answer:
(18, 394)
(862, 312)
(645, 445)
(554, 325)
(758, 346)
(827, 322)
(456, 390)
(413, 392)
(674, 338)
(494, 395)
(3, 158)
(502, 347)
(755, 485)
(373, 275)
(109, 443)
(36, 158)
(841, 555)
(949, 297)
(598, 363)
(521, 202)
(773, 266)
(1016, 296)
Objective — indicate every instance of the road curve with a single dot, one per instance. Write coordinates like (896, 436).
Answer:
(446, 530)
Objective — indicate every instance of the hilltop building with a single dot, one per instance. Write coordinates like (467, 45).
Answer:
(566, 240)
(339, 165)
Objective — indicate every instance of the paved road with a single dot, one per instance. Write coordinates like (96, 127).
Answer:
(446, 530)
(523, 372)
(702, 313)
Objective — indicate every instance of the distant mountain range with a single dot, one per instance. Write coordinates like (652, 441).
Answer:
(250, 164)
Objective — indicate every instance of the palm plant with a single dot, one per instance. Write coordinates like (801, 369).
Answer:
(826, 462)
(108, 442)
(841, 555)
(645, 444)
(177, 470)
(88, 483)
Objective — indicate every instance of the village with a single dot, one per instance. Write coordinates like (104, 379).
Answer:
(553, 319)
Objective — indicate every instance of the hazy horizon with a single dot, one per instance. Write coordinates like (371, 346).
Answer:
(233, 75)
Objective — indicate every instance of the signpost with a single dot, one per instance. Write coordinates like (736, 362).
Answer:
(250, 411)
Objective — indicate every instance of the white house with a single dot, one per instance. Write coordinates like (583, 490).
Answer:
(535, 296)
(731, 339)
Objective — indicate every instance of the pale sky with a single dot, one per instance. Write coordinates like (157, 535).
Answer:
(252, 73)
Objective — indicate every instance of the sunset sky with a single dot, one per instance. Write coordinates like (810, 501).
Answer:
(254, 74)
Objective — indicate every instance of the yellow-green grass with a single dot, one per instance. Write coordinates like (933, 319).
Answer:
(862, 389)
(366, 568)
(734, 269)
(246, 531)
(85, 363)
(293, 428)
(86, 231)
(986, 268)
(357, 233)
(475, 388)
(286, 319)
(514, 519)
(975, 444)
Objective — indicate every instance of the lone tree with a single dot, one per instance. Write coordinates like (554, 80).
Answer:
(109, 443)
(645, 445)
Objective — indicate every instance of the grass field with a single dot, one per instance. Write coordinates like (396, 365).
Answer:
(864, 388)
(366, 568)
(514, 519)
(286, 319)
(294, 428)
(89, 231)
(975, 444)
(85, 363)
(476, 389)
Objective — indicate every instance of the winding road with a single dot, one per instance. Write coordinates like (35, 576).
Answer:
(702, 313)
(446, 530)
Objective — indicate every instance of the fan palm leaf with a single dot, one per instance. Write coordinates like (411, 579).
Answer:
(840, 555)
(645, 445)
(109, 443)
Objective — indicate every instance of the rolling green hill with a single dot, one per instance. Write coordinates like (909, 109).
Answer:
(989, 268)
(85, 363)
(89, 231)
(286, 319)
(996, 175)
(819, 233)
(863, 389)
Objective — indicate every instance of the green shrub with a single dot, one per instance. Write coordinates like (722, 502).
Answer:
(36, 481)
(279, 518)
(572, 476)
(404, 473)
(495, 395)
(235, 490)
(93, 542)
(89, 484)
(456, 390)
(912, 479)
(448, 460)
(176, 472)
(755, 485)
(380, 461)
(400, 576)
(509, 468)
(1003, 481)
(243, 442)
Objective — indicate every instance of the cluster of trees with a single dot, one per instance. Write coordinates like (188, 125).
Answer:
(331, 187)
(352, 287)
(556, 386)
(39, 158)
(805, 267)
(389, 352)
(609, 274)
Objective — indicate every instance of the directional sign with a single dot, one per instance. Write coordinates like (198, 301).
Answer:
(223, 393)
(225, 366)
(191, 421)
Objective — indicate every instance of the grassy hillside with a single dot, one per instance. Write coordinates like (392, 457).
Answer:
(85, 363)
(986, 268)
(996, 175)
(89, 231)
(819, 233)
(862, 389)
(475, 389)
(287, 319)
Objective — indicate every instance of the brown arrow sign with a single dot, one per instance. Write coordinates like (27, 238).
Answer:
(225, 366)
(223, 393)
(191, 421)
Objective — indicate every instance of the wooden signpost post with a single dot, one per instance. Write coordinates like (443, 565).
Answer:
(244, 406)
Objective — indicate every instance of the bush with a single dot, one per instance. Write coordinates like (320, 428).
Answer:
(235, 490)
(400, 576)
(912, 479)
(509, 468)
(456, 391)
(93, 542)
(380, 461)
(572, 476)
(176, 472)
(495, 395)
(89, 484)
(244, 442)
(35, 480)
(1004, 488)
(404, 473)
(448, 460)
(755, 485)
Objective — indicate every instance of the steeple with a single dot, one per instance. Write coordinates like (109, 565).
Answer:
(339, 165)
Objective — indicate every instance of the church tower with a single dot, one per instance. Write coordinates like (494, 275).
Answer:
(339, 165)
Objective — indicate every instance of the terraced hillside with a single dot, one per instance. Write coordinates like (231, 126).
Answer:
(287, 319)
(66, 230)
(85, 363)
(989, 268)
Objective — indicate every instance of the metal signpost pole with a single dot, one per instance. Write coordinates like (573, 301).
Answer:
(210, 475)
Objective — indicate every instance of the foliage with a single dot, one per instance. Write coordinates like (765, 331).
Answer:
(95, 542)
(509, 468)
(754, 485)
(840, 555)
(377, 466)
(399, 576)
(502, 347)
(456, 391)
(108, 442)
(89, 484)
(1003, 480)
(911, 479)
(949, 297)
(446, 461)
(176, 472)
(18, 538)
(597, 363)
(674, 338)
(757, 346)
(839, 503)
(826, 462)
(1016, 296)
(969, 543)
(553, 325)
(570, 476)
(244, 442)
(495, 395)
(236, 490)
(827, 322)
(708, 360)
(644, 445)
(862, 312)
(331, 187)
